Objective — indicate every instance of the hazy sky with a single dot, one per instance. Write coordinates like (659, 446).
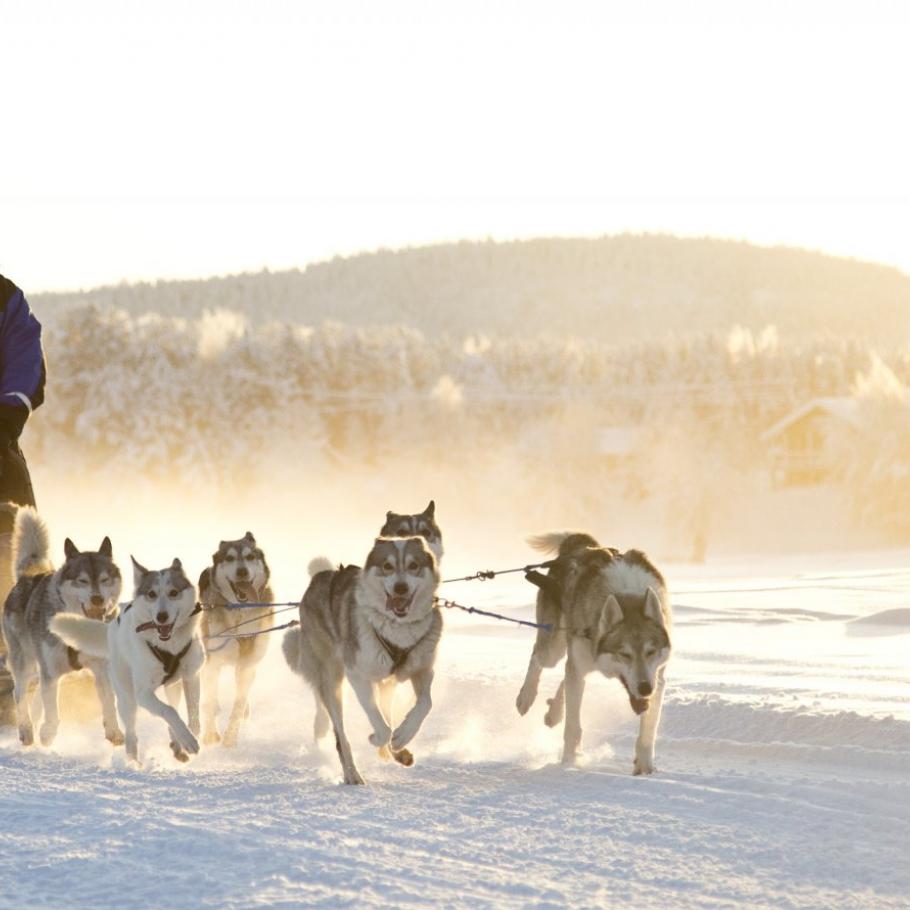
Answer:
(183, 139)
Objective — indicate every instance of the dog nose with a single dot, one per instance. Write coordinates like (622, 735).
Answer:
(645, 689)
(161, 618)
(401, 587)
(242, 571)
(97, 600)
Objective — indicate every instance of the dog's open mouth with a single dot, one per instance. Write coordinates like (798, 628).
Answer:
(93, 612)
(244, 592)
(399, 604)
(164, 630)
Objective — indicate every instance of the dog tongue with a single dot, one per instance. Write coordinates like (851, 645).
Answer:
(245, 591)
(639, 705)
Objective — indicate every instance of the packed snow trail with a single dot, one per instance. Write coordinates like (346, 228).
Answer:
(782, 781)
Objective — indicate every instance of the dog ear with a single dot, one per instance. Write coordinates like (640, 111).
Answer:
(139, 571)
(106, 548)
(652, 608)
(389, 516)
(70, 549)
(249, 536)
(610, 615)
(176, 566)
(430, 510)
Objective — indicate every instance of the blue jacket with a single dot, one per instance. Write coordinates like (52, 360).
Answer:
(22, 369)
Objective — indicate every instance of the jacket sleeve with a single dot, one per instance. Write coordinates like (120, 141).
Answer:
(22, 369)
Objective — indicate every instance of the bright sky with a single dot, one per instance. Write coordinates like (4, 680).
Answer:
(184, 139)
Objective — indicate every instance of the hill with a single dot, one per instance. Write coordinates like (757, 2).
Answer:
(625, 287)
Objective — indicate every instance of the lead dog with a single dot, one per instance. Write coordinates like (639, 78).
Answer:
(87, 584)
(238, 574)
(153, 643)
(378, 627)
(609, 612)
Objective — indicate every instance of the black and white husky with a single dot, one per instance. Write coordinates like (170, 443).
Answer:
(238, 574)
(377, 626)
(87, 585)
(154, 642)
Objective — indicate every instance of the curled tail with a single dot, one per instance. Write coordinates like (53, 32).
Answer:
(31, 544)
(320, 564)
(81, 633)
(564, 541)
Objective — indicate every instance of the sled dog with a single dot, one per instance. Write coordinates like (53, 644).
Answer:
(238, 574)
(88, 585)
(610, 611)
(422, 524)
(378, 627)
(154, 642)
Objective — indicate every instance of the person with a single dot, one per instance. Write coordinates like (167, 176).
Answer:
(22, 377)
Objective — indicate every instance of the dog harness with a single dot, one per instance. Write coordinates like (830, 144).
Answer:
(169, 660)
(399, 655)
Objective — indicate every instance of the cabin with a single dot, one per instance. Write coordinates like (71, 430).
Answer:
(801, 444)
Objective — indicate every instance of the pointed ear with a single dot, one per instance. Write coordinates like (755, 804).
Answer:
(610, 615)
(70, 549)
(652, 609)
(106, 549)
(176, 566)
(139, 571)
(249, 536)
(389, 516)
(430, 510)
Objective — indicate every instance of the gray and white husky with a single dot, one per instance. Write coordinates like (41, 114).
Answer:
(377, 626)
(421, 524)
(238, 574)
(610, 611)
(154, 642)
(88, 585)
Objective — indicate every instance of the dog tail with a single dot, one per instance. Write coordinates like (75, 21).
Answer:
(81, 633)
(31, 544)
(320, 564)
(566, 542)
(291, 647)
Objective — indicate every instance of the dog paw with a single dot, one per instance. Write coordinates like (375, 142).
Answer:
(179, 754)
(380, 738)
(185, 740)
(525, 699)
(114, 737)
(26, 736)
(352, 776)
(554, 715)
(401, 737)
(385, 753)
(571, 759)
(211, 738)
(403, 757)
(229, 740)
(642, 766)
(47, 734)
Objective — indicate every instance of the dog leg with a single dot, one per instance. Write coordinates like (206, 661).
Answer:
(106, 697)
(191, 691)
(126, 708)
(386, 697)
(528, 692)
(366, 695)
(244, 677)
(556, 706)
(23, 677)
(49, 687)
(172, 692)
(321, 722)
(330, 693)
(211, 670)
(179, 730)
(574, 690)
(422, 681)
(643, 762)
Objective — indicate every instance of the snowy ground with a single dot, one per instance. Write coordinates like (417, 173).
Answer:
(783, 780)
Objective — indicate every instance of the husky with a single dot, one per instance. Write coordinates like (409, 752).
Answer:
(422, 524)
(377, 626)
(88, 585)
(238, 574)
(610, 611)
(154, 642)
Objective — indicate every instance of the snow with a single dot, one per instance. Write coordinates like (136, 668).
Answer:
(782, 775)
